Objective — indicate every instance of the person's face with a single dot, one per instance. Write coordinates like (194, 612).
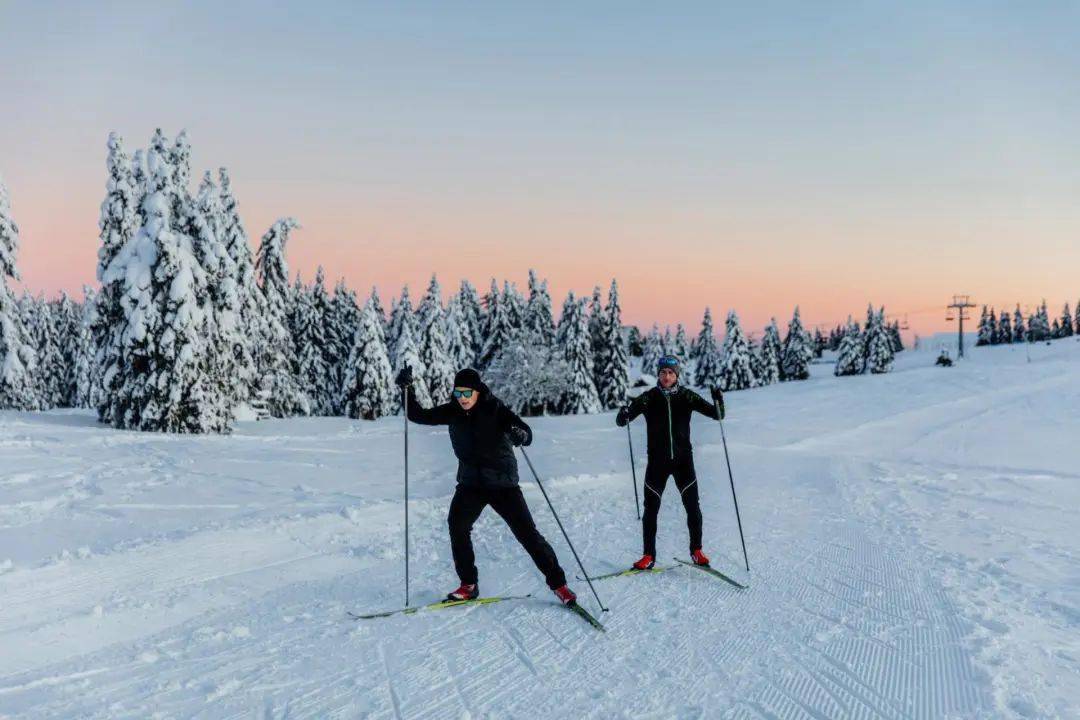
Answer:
(466, 397)
(668, 377)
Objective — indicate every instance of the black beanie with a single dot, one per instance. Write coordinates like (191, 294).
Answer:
(467, 378)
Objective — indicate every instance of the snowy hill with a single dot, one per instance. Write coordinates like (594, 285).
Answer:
(912, 542)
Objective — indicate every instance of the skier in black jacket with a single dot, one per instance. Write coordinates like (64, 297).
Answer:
(482, 430)
(667, 409)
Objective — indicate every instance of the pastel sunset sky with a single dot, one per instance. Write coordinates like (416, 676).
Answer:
(820, 154)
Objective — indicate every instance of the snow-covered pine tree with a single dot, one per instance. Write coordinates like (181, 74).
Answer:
(341, 328)
(851, 358)
(635, 344)
(1005, 327)
(708, 366)
(776, 347)
(459, 347)
(983, 328)
(538, 314)
(897, 341)
(368, 390)
(473, 314)
(736, 367)
(879, 352)
(680, 348)
(797, 350)
(596, 321)
(613, 371)
(500, 331)
(1020, 331)
(17, 357)
(514, 303)
(652, 351)
(85, 373)
(251, 326)
(228, 356)
(401, 314)
(434, 347)
(573, 338)
(1039, 326)
(278, 353)
(66, 316)
(50, 371)
(120, 219)
(1067, 321)
(314, 352)
(377, 307)
(767, 368)
(819, 343)
(995, 332)
(1055, 330)
(163, 383)
(407, 353)
(668, 342)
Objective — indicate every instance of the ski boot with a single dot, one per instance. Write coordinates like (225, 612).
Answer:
(566, 595)
(645, 563)
(699, 558)
(465, 592)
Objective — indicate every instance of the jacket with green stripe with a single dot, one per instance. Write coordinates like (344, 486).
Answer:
(667, 420)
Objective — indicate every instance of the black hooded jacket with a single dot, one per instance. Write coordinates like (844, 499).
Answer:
(484, 452)
(668, 420)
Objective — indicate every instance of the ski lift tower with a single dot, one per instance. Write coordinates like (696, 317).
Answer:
(960, 304)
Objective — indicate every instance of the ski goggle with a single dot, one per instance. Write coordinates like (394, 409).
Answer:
(668, 362)
(462, 393)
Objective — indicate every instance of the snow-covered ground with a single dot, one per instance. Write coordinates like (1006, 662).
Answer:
(913, 543)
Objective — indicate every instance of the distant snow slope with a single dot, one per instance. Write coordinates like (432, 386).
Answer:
(913, 542)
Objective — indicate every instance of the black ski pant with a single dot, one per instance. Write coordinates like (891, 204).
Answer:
(656, 476)
(509, 503)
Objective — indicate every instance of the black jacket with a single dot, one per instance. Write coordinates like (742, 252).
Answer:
(667, 419)
(485, 455)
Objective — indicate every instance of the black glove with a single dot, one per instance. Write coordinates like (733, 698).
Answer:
(718, 398)
(519, 436)
(623, 416)
(404, 377)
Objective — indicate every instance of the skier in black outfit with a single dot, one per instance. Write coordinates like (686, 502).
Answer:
(482, 430)
(667, 409)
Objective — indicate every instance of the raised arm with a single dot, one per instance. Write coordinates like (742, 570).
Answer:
(438, 415)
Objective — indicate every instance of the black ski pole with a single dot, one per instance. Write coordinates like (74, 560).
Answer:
(731, 477)
(559, 522)
(633, 471)
(405, 408)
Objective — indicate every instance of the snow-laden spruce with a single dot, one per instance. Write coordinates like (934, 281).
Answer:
(707, 360)
(475, 320)
(434, 347)
(380, 313)
(16, 351)
(736, 367)
(573, 338)
(768, 356)
(798, 351)
(250, 320)
(652, 351)
(341, 328)
(162, 384)
(368, 390)
(680, 348)
(277, 353)
(500, 329)
(539, 319)
(50, 372)
(85, 372)
(311, 306)
(613, 367)
(401, 314)
(530, 376)
(852, 353)
(879, 350)
(120, 219)
(459, 347)
(407, 354)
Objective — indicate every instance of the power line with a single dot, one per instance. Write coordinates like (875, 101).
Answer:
(960, 304)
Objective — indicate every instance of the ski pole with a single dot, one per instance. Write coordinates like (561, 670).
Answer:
(633, 471)
(405, 407)
(559, 522)
(731, 477)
